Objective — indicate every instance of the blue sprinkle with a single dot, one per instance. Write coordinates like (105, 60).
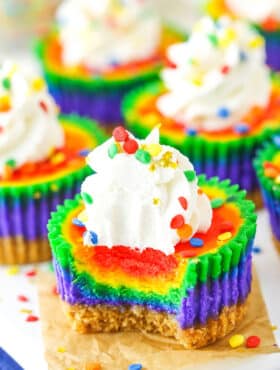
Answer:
(135, 367)
(93, 237)
(84, 152)
(196, 242)
(191, 132)
(114, 62)
(77, 222)
(241, 128)
(242, 56)
(257, 250)
(223, 112)
(276, 140)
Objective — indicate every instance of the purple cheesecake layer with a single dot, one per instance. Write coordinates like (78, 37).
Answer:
(207, 300)
(237, 171)
(204, 301)
(102, 105)
(28, 217)
(273, 206)
(272, 45)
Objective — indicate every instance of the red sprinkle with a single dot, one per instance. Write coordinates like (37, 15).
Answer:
(32, 318)
(183, 201)
(120, 134)
(253, 341)
(44, 106)
(1, 129)
(22, 298)
(130, 146)
(31, 273)
(225, 70)
(226, 226)
(54, 290)
(177, 222)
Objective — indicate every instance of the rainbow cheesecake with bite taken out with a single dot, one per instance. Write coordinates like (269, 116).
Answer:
(41, 162)
(150, 246)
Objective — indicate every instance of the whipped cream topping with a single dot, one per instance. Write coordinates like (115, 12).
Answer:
(104, 33)
(143, 195)
(219, 75)
(255, 10)
(29, 127)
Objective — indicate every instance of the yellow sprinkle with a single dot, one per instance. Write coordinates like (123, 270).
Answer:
(51, 151)
(152, 167)
(38, 84)
(13, 70)
(156, 201)
(228, 37)
(70, 368)
(236, 340)
(61, 349)
(54, 187)
(57, 158)
(154, 149)
(37, 195)
(225, 236)
(158, 125)
(13, 270)
(256, 42)
(25, 310)
(198, 80)
(274, 327)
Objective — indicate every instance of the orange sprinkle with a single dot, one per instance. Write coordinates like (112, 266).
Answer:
(185, 232)
(5, 103)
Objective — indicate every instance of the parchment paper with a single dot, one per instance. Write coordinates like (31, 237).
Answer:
(64, 348)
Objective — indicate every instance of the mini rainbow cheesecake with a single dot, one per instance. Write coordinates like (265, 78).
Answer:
(263, 15)
(41, 162)
(267, 166)
(99, 51)
(216, 101)
(149, 246)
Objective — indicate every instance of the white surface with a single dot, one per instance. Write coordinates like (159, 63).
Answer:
(23, 340)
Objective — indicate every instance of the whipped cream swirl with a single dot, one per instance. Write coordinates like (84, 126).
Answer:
(104, 33)
(141, 197)
(255, 10)
(219, 75)
(29, 127)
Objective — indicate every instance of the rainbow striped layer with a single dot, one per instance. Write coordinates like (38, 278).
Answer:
(117, 276)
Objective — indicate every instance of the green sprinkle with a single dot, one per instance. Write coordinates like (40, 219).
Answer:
(143, 156)
(213, 39)
(11, 163)
(87, 198)
(190, 175)
(112, 151)
(6, 83)
(217, 202)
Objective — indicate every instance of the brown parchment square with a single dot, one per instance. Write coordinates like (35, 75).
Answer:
(66, 349)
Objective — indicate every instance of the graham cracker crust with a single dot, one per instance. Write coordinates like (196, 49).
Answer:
(109, 319)
(18, 251)
(256, 197)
